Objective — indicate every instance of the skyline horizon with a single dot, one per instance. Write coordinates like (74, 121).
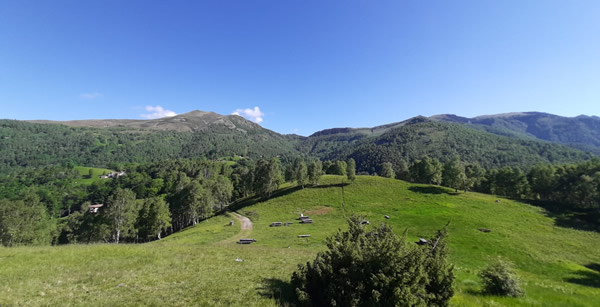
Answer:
(313, 132)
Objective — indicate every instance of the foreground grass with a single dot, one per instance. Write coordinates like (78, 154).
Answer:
(559, 266)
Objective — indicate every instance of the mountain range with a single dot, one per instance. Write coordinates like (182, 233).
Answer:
(512, 139)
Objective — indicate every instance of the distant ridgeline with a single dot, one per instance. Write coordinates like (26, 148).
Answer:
(519, 140)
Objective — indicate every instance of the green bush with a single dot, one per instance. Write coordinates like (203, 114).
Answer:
(499, 278)
(376, 268)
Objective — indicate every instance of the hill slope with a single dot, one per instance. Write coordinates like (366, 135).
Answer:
(559, 266)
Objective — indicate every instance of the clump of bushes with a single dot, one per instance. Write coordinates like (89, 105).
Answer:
(499, 278)
(376, 268)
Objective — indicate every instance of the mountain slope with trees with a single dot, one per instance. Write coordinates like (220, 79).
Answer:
(191, 135)
(408, 141)
(582, 132)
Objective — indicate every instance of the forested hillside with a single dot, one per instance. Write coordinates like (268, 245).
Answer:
(582, 132)
(24, 144)
(419, 137)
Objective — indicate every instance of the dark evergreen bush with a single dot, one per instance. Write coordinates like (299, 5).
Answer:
(376, 268)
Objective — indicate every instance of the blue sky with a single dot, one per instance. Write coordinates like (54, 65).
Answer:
(306, 65)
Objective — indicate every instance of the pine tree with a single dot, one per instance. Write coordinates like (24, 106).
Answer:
(375, 268)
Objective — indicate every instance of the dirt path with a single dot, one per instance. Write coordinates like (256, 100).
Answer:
(246, 228)
(244, 221)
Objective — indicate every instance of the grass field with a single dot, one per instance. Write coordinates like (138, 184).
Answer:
(84, 173)
(559, 266)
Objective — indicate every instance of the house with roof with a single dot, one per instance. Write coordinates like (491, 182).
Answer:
(94, 208)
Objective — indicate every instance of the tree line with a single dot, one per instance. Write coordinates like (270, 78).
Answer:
(573, 186)
(152, 200)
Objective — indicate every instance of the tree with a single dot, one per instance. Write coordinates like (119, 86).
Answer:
(440, 273)
(585, 192)
(351, 169)
(474, 174)
(90, 173)
(340, 167)
(122, 213)
(374, 268)
(154, 218)
(222, 190)
(508, 181)
(542, 180)
(301, 173)
(453, 174)
(193, 200)
(427, 171)
(315, 170)
(402, 173)
(268, 176)
(24, 222)
(387, 170)
(243, 179)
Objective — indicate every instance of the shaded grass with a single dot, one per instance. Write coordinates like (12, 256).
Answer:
(558, 265)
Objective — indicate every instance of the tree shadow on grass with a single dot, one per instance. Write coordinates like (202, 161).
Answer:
(281, 291)
(563, 216)
(587, 278)
(248, 201)
(333, 185)
(474, 292)
(431, 190)
(279, 193)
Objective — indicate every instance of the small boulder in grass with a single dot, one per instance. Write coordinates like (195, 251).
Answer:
(484, 230)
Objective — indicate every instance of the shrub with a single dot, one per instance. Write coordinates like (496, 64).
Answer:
(499, 278)
(375, 268)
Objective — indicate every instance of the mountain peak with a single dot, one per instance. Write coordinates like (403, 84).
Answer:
(197, 113)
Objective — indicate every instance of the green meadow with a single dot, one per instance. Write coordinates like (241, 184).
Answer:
(559, 266)
(84, 173)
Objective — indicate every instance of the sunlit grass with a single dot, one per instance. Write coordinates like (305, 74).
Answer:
(84, 174)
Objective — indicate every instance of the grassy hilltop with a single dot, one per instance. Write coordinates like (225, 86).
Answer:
(559, 266)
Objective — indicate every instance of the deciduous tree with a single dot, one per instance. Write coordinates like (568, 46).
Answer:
(121, 211)
(387, 170)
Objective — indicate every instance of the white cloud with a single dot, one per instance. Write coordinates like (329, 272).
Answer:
(157, 112)
(90, 95)
(254, 115)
